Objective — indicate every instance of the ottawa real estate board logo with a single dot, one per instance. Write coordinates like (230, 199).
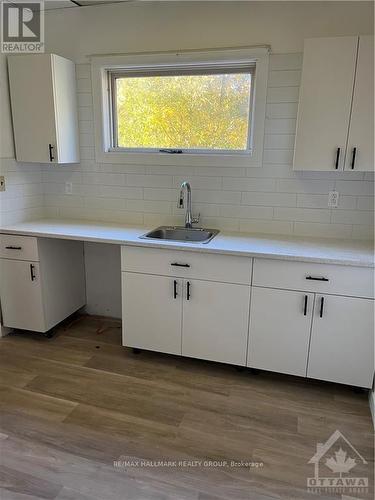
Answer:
(22, 27)
(339, 468)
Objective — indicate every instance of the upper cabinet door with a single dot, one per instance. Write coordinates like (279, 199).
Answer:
(44, 108)
(325, 103)
(31, 90)
(360, 152)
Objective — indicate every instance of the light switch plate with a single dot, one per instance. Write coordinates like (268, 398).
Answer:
(2, 183)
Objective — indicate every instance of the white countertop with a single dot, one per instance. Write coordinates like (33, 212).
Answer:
(322, 250)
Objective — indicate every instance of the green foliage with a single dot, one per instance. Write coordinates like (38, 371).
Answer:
(187, 112)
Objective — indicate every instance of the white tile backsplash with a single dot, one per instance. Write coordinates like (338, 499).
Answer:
(23, 198)
(270, 199)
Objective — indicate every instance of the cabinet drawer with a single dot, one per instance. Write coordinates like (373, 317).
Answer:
(337, 279)
(18, 247)
(215, 267)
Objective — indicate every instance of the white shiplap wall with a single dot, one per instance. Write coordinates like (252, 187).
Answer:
(270, 199)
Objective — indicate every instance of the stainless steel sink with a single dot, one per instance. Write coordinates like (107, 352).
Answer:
(174, 233)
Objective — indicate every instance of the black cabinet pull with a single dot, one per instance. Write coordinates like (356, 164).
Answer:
(315, 278)
(305, 305)
(188, 290)
(337, 158)
(32, 274)
(354, 153)
(51, 157)
(179, 265)
(321, 307)
(13, 248)
(175, 289)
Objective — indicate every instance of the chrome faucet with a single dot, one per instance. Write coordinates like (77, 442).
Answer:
(185, 192)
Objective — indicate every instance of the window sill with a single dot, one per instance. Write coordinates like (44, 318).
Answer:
(189, 159)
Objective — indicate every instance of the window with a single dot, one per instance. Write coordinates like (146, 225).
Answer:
(182, 111)
(197, 108)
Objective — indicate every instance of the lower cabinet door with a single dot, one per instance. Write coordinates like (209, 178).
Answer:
(342, 340)
(215, 321)
(151, 312)
(280, 323)
(21, 295)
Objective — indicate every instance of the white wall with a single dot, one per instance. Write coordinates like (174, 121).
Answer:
(103, 279)
(153, 26)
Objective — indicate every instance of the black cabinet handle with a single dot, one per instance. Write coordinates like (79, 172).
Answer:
(316, 278)
(337, 158)
(179, 265)
(171, 151)
(51, 157)
(354, 153)
(175, 289)
(13, 248)
(305, 305)
(32, 274)
(188, 285)
(321, 307)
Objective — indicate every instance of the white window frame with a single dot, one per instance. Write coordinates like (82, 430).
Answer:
(101, 65)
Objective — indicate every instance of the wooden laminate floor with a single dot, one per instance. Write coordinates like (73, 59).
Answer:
(75, 404)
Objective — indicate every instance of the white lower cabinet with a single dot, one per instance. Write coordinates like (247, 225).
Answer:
(299, 318)
(280, 322)
(151, 312)
(187, 303)
(215, 321)
(42, 281)
(304, 322)
(199, 319)
(21, 297)
(342, 340)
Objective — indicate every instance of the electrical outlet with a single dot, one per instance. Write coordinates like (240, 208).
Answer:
(68, 188)
(333, 199)
(2, 183)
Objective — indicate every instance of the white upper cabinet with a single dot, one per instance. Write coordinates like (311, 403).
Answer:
(44, 108)
(332, 120)
(360, 152)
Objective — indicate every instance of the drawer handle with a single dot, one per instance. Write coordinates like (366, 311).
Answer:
(32, 273)
(13, 248)
(321, 307)
(305, 306)
(179, 265)
(317, 278)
